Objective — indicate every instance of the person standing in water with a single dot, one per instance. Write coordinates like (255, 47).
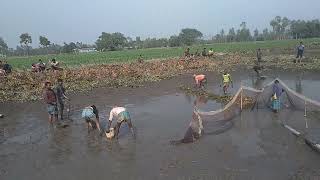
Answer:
(226, 80)
(61, 96)
(257, 68)
(91, 116)
(200, 80)
(122, 115)
(300, 50)
(50, 99)
(276, 94)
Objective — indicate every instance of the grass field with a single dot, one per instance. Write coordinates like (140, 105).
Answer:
(74, 60)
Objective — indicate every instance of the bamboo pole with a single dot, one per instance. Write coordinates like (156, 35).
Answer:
(305, 108)
(241, 96)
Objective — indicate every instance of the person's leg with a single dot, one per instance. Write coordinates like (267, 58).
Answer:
(88, 126)
(50, 110)
(225, 88)
(130, 126)
(116, 129)
(56, 117)
(300, 56)
(201, 84)
(50, 118)
(97, 124)
(61, 108)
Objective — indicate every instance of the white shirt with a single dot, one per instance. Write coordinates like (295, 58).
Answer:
(115, 112)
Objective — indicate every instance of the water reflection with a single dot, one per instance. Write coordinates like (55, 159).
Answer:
(258, 82)
(60, 144)
(298, 83)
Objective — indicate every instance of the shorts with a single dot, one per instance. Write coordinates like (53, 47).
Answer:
(52, 109)
(124, 116)
(87, 114)
(300, 54)
(226, 84)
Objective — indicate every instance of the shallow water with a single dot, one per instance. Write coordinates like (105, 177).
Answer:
(255, 147)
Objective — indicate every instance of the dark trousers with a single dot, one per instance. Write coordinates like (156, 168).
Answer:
(61, 108)
(300, 54)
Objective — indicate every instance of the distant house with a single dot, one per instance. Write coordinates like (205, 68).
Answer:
(85, 50)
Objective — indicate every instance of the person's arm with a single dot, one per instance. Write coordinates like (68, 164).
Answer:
(196, 81)
(45, 96)
(64, 94)
(98, 123)
(110, 119)
(231, 81)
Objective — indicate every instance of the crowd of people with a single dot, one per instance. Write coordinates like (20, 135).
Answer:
(55, 98)
(55, 102)
(200, 81)
(204, 53)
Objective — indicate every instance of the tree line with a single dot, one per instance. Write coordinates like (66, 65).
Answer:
(281, 28)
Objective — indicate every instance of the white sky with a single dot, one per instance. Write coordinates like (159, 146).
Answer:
(84, 20)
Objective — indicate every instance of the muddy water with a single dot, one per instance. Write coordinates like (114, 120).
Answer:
(256, 147)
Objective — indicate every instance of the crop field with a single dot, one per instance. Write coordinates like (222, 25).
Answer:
(76, 60)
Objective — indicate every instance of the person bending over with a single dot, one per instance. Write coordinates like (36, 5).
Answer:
(122, 115)
(200, 80)
(91, 116)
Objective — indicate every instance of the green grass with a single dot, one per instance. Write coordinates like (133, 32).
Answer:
(74, 60)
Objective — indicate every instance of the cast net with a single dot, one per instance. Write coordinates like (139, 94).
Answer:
(247, 98)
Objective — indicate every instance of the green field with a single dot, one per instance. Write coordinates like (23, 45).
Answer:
(74, 60)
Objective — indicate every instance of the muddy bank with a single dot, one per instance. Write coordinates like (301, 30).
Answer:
(256, 147)
(27, 86)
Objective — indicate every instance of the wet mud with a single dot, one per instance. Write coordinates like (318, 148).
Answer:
(255, 146)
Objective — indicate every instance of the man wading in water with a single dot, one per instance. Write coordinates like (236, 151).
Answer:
(50, 98)
(257, 68)
(226, 80)
(300, 50)
(275, 99)
(122, 115)
(61, 96)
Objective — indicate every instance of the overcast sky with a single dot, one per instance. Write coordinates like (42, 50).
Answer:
(84, 20)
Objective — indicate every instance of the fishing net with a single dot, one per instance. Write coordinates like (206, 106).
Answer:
(247, 98)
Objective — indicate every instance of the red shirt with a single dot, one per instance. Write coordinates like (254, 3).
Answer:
(49, 96)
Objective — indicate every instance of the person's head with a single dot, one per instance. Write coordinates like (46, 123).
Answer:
(276, 82)
(53, 60)
(40, 61)
(301, 42)
(225, 72)
(211, 49)
(259, 49)
(60, 81)
(33, 65)
(204, 48)
(47, 84)
(94, 107)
